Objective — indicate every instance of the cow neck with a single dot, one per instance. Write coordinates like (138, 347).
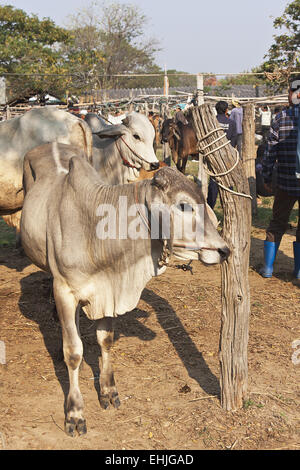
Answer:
(124, 160)
(166, 248)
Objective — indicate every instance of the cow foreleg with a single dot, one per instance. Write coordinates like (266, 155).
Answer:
(72, 346)
(108, 389)
(183, 164)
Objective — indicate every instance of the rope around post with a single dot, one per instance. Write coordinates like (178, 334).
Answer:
(214, 175)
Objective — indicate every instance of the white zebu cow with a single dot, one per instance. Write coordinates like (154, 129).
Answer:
(23, 133)
(105, 276)
(121, 150)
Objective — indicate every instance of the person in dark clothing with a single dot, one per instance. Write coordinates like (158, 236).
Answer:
(179, 116)
(237, 116)
(229, 127)
(282, 150)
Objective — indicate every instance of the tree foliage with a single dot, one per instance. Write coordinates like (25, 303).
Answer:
(284, 52)
(30, 47)
(109, 40)
(104, 41)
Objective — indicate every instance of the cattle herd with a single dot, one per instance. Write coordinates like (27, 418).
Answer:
(97, 210)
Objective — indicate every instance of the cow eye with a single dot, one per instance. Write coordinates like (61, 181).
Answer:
(137, 137)
(185, 207)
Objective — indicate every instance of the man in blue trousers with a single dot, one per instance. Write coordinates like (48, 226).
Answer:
(283, 147)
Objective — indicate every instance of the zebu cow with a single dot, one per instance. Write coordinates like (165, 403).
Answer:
(182, 141)
(21, 134)
(105, 272)
(120, 151)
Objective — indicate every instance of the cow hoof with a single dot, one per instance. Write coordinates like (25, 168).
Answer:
(104, 401)
(72, 425)
(114, 399)
(81, 427)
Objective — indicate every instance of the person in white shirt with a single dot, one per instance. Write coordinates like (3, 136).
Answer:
(265, 121)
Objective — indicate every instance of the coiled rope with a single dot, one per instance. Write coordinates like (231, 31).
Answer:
(205, 154)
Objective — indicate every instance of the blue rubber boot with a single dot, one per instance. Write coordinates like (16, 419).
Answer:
(270, 251)
(296, 246)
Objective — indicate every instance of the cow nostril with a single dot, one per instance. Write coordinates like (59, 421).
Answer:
(154, 166)
(224, 252)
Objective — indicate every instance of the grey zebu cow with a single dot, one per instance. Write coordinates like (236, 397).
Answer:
(105, 276)
(23, 133)
(121, 150)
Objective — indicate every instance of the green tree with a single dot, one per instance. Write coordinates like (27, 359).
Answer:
(29, 47)
(284, 52)
(109, 39)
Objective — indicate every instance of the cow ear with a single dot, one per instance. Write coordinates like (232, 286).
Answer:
(112, 131)
(161, 180)
(126, 121)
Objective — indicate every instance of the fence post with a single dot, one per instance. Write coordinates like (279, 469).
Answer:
(202, 175)
(130, 107)
(234, 271)
(8, 113)
(165, 113)
(2, 91)
(248, 150)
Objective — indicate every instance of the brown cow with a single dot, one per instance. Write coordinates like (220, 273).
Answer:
(182, 141)
(145, 175)
(156, 121)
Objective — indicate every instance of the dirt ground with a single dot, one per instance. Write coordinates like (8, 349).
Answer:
(165, 360)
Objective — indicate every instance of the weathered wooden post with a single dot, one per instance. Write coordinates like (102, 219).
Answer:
(165, 113)
(223, 161)
(8, 113)
(130, 107)
(248, 150)
(202, 175)
(200, 89)
(146, 109)
(2, 91)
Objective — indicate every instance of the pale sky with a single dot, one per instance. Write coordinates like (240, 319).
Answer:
(195, 35)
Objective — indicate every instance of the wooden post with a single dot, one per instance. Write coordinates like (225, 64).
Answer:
(249, 151)
(202, 176)
(2, 91)
(146, 109)
(8, 113)
(166, 84)
(200, 89)
(130, 107)
(234, 271)
(165, 113)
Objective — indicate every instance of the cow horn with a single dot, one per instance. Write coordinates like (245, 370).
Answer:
(125, 121)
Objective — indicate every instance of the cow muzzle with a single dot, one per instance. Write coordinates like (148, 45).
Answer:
(209, 256)
(154, 166)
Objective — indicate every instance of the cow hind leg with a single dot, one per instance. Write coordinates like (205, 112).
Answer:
(108, 389)
(67, 310)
